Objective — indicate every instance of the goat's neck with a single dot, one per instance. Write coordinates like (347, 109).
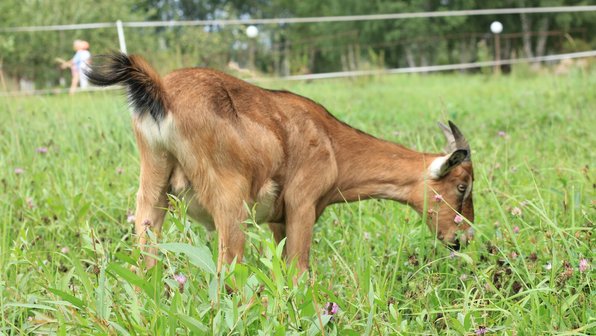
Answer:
(372, 168)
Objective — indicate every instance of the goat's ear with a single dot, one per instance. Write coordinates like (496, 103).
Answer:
(455, 139)
(451, 146)
(443, 165)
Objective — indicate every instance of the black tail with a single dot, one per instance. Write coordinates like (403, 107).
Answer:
(145, 87)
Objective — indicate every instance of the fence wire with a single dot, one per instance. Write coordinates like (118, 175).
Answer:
(344, 74)
(334, 52)
(319, 19)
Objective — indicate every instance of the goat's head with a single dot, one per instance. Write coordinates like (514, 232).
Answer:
(449, 190)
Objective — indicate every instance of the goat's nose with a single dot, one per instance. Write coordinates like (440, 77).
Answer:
(455, 245)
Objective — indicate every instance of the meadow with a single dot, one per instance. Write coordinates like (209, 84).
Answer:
(69, 172)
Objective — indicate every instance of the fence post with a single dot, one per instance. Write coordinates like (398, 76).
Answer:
(121, 36)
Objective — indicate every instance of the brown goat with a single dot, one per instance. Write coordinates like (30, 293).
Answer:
(224, 143)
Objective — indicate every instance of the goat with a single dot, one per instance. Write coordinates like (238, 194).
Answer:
(225, 143)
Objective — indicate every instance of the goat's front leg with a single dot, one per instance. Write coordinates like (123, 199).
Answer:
(230, 224)
(299, 226)
(152, 198)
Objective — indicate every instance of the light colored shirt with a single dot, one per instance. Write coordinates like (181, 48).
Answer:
(81, 59)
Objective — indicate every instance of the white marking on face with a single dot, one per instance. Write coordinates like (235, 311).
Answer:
(434, 170)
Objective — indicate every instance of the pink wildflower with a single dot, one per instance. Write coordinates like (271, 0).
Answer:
(331, 308)
(438, 198)
(65, 250)
(516, 229)
(584, 265)
(502, 134)
(119, 170)
(513, 255)
(42, 150)
(481, 330)
(181, 279)
(19, 171)
(458, 219)
(130, 218)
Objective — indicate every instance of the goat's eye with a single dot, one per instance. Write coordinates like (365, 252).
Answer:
(462, 188)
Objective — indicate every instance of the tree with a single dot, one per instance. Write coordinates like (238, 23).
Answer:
(34, 52)
(286, 48)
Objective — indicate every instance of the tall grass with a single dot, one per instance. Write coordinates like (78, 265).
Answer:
(69, 175)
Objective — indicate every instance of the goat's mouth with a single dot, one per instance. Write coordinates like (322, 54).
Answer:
(455, 245)
(460, 240)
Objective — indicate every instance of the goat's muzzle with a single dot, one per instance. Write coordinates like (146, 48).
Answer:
(460, 240)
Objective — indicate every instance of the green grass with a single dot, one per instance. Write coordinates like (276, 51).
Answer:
(66, 245)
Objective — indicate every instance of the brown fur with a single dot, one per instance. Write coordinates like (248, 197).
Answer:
(231, 142)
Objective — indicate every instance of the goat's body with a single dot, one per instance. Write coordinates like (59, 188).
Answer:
(221, 144)
(238, 128)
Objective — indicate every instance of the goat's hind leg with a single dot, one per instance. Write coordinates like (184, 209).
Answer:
(152, 200)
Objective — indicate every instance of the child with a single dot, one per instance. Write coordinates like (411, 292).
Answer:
(78, 64)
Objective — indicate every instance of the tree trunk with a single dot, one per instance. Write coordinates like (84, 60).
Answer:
(351, 58)
(541, 43)
(311, 59)
(463, 54)
(506, 53)
(4, 88)
(410, 57)
(344, 62)
(277, 55)
(526, 31)
(467, 52)
(357, 56)
(424, 58)
(285, 71)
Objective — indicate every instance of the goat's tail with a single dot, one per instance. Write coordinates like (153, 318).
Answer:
(145, 88)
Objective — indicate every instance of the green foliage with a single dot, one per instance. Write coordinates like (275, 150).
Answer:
(68, 257)
(286, 48)
(33, 55)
